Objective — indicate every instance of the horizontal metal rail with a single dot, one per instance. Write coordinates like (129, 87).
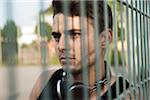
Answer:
(135, 9)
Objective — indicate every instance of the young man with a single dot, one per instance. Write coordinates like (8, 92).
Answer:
(69, 78)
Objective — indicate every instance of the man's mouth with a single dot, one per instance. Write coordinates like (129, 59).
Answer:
(66, 60)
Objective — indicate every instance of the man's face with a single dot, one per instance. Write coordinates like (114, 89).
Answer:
(73, 34)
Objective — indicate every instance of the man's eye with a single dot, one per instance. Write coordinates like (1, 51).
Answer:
(74, 34)
(56, 36)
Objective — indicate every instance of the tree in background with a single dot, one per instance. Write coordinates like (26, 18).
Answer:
(119, 33)
(45, 30)
(9, 43)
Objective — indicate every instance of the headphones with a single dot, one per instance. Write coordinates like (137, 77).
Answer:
(64, 87)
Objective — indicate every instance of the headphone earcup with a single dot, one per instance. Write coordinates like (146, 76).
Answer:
(64, 89)
(77, 90)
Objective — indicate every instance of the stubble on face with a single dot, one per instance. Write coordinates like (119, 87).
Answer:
(76, 65)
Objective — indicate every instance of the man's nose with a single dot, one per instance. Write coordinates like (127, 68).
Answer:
(61, 45)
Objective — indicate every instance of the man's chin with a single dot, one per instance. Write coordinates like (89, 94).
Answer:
(72, 69)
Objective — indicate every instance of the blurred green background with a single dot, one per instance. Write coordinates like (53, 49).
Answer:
(36, 47)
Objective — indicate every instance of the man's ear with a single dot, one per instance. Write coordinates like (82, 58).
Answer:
(110, 36)
(103, 38)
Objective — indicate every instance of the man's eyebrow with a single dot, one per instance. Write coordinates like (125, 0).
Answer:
(54, 33)
(67, 31)
(72, 31)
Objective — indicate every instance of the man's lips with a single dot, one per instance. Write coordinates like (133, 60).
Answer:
(66, 59)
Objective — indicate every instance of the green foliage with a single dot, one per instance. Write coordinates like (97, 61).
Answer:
(118, 10)
(49, 11)
(45, 30)
(33, 45)
(9, 43)
(119, 33)
(112, 58)
(10, 30)
(53, 60)
(110, 2)
(117, 19)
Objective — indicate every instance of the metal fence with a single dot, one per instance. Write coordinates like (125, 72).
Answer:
(128, 55)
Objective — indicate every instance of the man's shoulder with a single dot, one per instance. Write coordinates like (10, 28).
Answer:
(41, 82)
(49, 72)
(45, 75)
(122, 83)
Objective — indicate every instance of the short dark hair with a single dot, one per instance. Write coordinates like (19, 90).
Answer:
(74, 10)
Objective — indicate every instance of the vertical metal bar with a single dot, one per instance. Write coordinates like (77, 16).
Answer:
(107, 48)
(9, 7)
(66, 14)
(146, 49)
(12, 85)
(97, 50)
(43, 40)
(116, 48)
(123, 51)
(133, 50)
(142, 51)
(146, 53)
(84, 48)
(148, 25)
(138, 47)
(142, 41)
(128, 45)
(43, 46)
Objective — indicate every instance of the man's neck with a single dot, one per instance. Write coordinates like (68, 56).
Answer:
(96, 72)
(92, 74)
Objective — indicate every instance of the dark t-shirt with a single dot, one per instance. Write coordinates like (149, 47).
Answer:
(50, 90)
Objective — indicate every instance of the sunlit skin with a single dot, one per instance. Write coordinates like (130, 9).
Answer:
(74, 46)
(74, 52)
